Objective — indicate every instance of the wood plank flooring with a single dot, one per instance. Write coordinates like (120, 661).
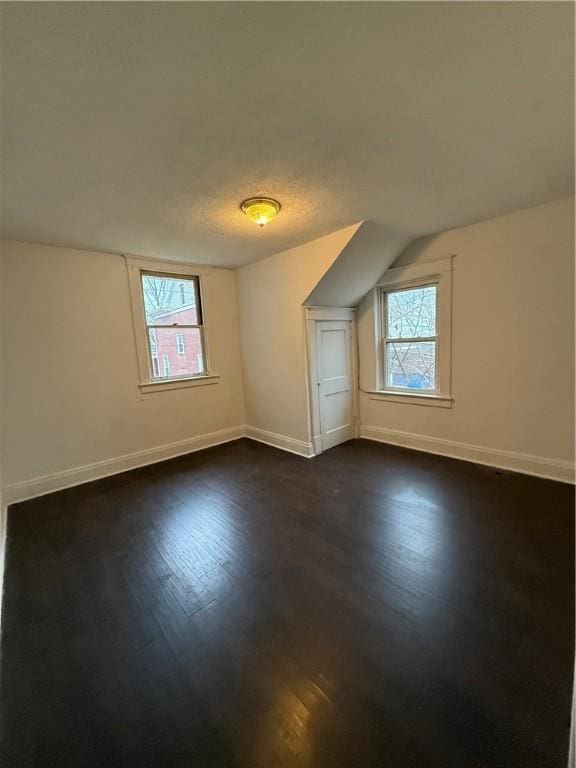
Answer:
(242, 607)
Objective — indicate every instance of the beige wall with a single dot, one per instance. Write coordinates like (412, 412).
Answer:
(69, 391)
(3, 512)
(513, 337)
(2, 522)
(68, 388)
(271, 293)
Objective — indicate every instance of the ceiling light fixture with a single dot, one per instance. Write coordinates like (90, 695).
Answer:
(260, 210)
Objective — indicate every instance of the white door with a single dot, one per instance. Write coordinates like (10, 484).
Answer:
(335, 384)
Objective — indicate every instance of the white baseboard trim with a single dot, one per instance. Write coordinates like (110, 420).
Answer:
(317, 444)
(539, 466)
(289, 444)
(57, 481)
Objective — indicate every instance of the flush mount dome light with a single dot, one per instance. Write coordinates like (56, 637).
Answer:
(260, 210)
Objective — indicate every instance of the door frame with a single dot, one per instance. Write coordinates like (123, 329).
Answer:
(323, 314)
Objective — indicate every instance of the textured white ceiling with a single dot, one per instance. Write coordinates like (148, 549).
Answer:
(139, 127)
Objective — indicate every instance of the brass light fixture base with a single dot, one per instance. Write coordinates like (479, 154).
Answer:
(260, 210)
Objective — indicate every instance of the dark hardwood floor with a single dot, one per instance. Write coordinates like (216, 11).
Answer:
(244, 607)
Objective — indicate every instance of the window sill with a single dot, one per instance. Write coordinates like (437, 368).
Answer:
(192, 381)
(411, 398)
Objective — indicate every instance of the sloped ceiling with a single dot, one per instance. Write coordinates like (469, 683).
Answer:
(357, 268)
(139, 127)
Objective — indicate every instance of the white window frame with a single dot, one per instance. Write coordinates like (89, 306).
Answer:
(438, 273)
(137, 266)
(180, 345)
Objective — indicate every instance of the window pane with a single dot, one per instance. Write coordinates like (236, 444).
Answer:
(411, 313)
(411, 364)
(167, 359)
(169, 300)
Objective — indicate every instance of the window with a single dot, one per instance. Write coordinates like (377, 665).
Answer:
(414, 359)
(169, 324)
(153, 343)
(410, 339)
(173, 312)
